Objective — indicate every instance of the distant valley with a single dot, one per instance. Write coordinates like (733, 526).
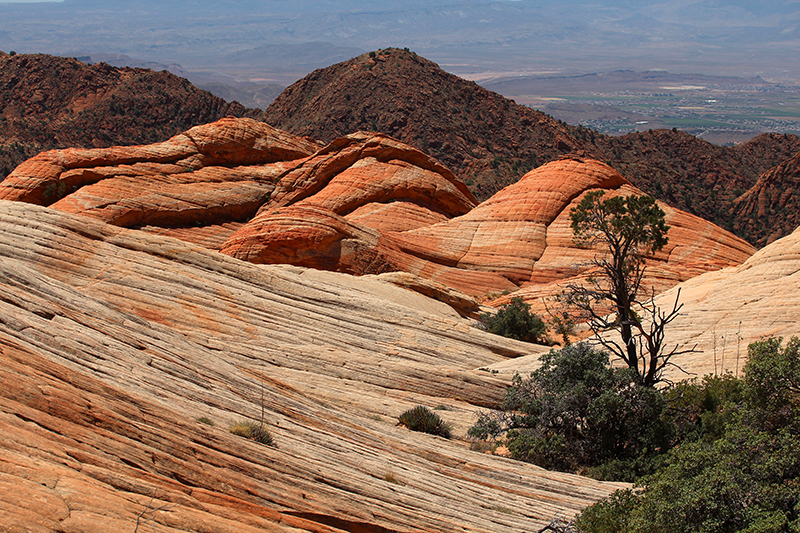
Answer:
(732, 66)
(722, 110)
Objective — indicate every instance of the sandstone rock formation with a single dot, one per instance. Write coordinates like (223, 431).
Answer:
(196, 185)
(724, 311)
(364, 204)
(520, 238)
(114, 343)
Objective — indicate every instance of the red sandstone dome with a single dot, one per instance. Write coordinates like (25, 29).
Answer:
(364, 204)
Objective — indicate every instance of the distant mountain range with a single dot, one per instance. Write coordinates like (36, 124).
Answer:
(464, 36)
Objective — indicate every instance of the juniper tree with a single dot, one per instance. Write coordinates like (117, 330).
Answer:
(625, 230)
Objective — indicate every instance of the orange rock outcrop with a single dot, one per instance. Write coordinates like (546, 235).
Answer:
(200, 180)
(364, 204)
(520, 240)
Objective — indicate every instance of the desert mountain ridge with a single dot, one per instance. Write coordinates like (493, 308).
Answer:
(51, 102)
(490, 142)
(487, 140)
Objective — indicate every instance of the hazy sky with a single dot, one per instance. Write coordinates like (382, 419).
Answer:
(732, 37)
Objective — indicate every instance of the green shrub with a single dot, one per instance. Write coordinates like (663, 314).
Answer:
(699, 409)
(739, 472)
(515, 321)
(610, 515)
(577, 412)
(422, 419)
(251, 430)
(205, 420)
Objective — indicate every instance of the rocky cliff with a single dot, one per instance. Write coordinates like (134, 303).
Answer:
(127, 356)
(363, 204)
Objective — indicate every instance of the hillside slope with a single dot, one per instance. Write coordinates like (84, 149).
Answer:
(115, 342)
(55, 102)
(771, 208)
(490, 142)
(487, 140)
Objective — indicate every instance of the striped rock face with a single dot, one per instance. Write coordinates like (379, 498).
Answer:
(120, 349)
(364, 204)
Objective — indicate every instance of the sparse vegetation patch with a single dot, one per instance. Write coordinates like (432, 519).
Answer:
(420, 418)
(253, 431)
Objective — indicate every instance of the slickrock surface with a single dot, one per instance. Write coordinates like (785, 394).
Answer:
(725, 311)
(113, 342)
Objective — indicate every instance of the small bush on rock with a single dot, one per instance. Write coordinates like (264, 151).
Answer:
(252, 431)
(422, 419)
(515, 321)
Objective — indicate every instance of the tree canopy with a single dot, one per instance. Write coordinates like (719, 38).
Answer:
(577, 412)
(515, 321)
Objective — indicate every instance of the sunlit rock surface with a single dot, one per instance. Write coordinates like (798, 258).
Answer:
(114, 342)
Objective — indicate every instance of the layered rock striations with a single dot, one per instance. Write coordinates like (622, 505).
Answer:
(364, 204)
(520, 238)
(724, 311)
(126, 357)
(198, 185)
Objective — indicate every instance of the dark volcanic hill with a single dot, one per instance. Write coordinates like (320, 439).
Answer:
(54, 102)
(487, 139)
(771, 208)
(490, 141)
